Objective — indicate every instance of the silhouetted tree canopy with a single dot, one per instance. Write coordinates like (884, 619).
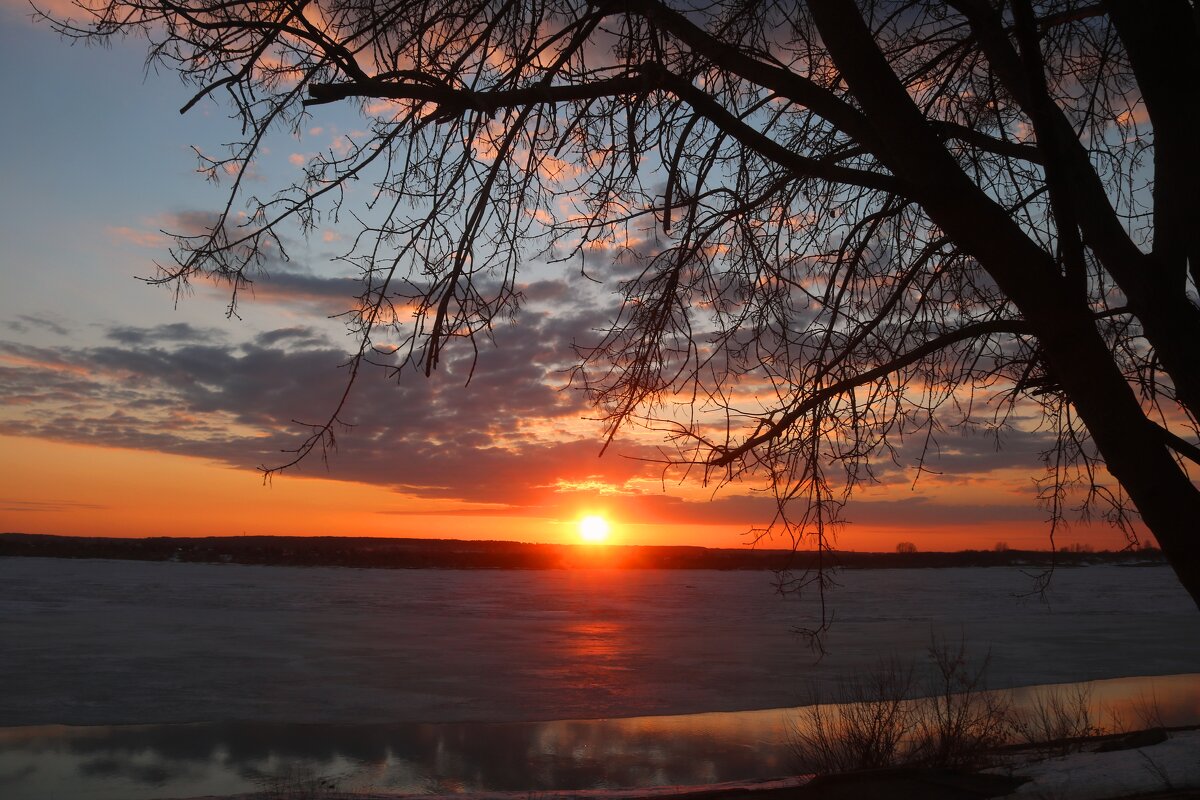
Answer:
(871, 220)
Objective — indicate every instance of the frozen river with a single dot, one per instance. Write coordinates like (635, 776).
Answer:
(138, 681)
(88, 642)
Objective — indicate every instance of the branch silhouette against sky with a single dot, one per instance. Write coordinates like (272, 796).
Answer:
(788, 252)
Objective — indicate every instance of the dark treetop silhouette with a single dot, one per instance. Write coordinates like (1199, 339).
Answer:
(871, 220)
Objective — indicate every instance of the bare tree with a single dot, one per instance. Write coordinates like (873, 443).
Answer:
(863, 221)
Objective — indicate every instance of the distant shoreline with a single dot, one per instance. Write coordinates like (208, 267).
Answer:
(408, 553)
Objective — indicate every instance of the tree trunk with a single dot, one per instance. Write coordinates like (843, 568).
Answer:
(1137, 458)
(1075, 352)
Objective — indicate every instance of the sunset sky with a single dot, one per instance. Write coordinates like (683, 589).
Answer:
(122, 413)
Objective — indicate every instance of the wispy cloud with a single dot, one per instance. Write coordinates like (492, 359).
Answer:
(27, 323)
(163, 334)
(922, 512)
(43, 506)
(140, 238)
(62, 9)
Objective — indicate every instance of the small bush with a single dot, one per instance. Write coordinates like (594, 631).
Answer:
(1058, 718)
(958, 722)
(961, 720)
(871, 727)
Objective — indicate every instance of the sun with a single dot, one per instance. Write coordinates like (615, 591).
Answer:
(593, 529)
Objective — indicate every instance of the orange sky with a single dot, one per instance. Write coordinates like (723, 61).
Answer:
(104, 491)
(83, 490)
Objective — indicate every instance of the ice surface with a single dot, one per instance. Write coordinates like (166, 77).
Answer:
(90, 642)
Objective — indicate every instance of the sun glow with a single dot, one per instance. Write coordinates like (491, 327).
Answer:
(593, 529)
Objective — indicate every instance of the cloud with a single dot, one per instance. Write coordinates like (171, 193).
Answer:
(290, 285)
(549, 291)
(161, 334)
(968, 455)
(27, 323)
(158, 232)
(278, 281)
(60, 9)
(510, 440)
(43, 506)
(302, 336)
(921, 511)
(187, 390)
(139, 238)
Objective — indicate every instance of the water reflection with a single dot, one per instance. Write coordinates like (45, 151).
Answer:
(156, 761)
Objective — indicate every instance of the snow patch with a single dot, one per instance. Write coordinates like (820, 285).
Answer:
(1170, 765)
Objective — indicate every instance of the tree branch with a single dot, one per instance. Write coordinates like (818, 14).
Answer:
(974, 330)
(1176, 442)
(777, 79)
(452, 102)
(989, 144)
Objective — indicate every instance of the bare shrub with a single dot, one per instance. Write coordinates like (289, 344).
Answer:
(960, 720)
(1058, 719)
(958, 723)
(871, 727)
(1148, 713)
(877, 725)
(1142, 713)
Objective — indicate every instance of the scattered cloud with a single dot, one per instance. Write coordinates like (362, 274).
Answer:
(964, 455)
(301, 336)
(920, 511)
(163, 334)
(188, 390)
(60, 9)
(141, 238)
(28, 323)
(509, 440)
(43, 506)
(296, 285)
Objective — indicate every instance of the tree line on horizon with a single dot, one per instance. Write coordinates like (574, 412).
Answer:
(407, 553)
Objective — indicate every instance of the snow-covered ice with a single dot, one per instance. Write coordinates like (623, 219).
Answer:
(1170, 765)
(90, 642)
